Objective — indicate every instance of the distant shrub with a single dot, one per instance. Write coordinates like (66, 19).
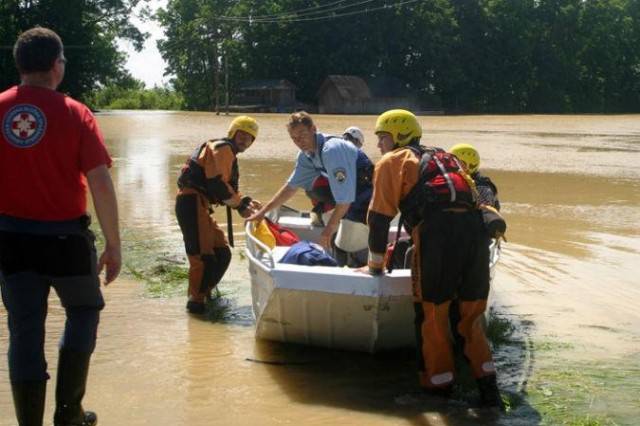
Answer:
(116, 97)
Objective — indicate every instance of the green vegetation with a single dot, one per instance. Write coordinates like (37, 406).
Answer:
(89, 29)
(149, 262)
(576, 396)
(118, 96)
(163, 279)
(499, 330)
(469, 56)
(556, 387)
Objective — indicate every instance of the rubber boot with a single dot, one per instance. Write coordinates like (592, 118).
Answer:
(28, 399)
(445, 392)
(73, 368)
(489, 393)
(196, 308)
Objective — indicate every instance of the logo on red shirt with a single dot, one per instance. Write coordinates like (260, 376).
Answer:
(24, 125)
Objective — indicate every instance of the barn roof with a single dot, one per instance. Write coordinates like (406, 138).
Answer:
(348, 86)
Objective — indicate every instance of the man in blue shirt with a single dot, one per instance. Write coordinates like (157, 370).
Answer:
(334, 158)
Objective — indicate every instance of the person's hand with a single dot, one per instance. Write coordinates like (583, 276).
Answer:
(110, 258)
(366, 270)
(325, 238)
(246, 213)
(256, 216)
(363, 270)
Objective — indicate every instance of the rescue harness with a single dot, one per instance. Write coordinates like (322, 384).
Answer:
(443, 184)
(193, 176)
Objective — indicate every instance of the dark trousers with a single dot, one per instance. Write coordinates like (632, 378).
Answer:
(30, 265)
(206, 246)
(451, 262)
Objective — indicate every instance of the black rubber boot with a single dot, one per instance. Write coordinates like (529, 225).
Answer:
(489, 393)
(445, 392)
(28, 399)
(73, 368)
(196, 308)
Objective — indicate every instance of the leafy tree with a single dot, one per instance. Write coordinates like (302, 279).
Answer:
(610, 57)
(475, 55)
(511, 39)
(194, 46)
(88, 28)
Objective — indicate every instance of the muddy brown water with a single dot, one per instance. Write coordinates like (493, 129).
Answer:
(570, 190)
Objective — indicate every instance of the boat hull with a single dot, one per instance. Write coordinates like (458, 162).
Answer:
(332, 309)
(337, 308)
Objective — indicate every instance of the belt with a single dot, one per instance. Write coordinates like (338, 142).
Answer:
(44, 227)
(456, 210)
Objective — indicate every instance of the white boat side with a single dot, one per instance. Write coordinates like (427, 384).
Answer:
(331, 307)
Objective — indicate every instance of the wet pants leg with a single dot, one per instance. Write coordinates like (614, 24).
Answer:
(436, 366)
(205, 243)
(76, 347)
(25, 295)
(473, 292)
(451, 262)
(29, 265)
(476, 346)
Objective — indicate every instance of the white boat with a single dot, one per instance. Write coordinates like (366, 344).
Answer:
(330, 307)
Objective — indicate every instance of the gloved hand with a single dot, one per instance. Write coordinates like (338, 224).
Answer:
(493, 221)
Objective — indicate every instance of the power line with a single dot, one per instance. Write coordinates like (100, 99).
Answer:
(298, 14)
(277, 15)
(284, 18)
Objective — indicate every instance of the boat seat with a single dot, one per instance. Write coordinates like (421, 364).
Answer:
(295, 222)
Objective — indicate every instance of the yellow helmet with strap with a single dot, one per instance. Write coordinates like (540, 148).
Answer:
(244, 123)
(401, 124)
(468, 154)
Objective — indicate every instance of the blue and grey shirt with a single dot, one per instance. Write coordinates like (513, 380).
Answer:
(334, 158)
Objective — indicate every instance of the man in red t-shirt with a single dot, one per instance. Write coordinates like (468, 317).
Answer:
(50, 150)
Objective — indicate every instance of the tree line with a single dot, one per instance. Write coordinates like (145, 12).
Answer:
(480, 56)
(475, 56)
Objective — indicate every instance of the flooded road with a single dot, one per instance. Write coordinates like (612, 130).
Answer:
(570, 190)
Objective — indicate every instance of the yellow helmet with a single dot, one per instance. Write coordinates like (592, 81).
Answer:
(244, 123)
(401, 124)
(468, 154)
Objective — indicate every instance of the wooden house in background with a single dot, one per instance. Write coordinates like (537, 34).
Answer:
(347, 94)
(265, 96)
(343, 94)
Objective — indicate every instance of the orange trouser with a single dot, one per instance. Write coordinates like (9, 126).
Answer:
(451, 261)
(205, 243)
(437, 367)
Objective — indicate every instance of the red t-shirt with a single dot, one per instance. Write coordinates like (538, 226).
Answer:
(48, 142)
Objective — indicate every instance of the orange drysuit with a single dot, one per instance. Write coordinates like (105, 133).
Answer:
(209, 177)
(450, 261)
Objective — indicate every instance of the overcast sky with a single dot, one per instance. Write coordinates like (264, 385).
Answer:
(147, 65)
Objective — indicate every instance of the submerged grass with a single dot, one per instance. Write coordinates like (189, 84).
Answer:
(163, 273)
(603, 393)
(499, 330)
(163, 279)
(540, 382)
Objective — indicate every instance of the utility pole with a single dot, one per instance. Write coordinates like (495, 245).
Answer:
(216, 79)
(226, 84)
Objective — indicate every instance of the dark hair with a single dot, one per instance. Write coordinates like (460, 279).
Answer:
(300, 117)
(36, 50)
